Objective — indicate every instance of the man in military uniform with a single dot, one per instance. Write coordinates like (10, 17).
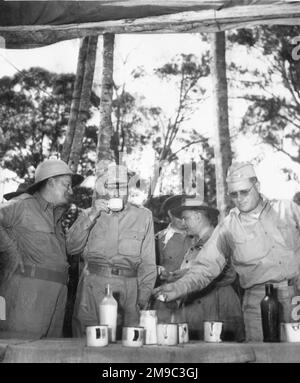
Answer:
(262, 239)
(118, 248)
(173, 241)
(33, 250)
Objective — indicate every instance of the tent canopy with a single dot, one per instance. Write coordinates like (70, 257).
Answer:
(27, 24)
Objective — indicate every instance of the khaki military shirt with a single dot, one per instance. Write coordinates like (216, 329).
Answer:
(31, 227)
(124, 239)
(172, 245)
(264, 246)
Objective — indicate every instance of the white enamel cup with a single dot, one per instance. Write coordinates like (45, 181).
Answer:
(183, 333)
(167, 334)
(212, 331)
(97, 336)
(132, 336)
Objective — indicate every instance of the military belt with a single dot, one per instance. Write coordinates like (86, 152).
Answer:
(36, 272)
(109, 271)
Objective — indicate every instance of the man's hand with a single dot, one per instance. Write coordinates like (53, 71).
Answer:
(166, 292)
(98, 206)
(175, 275)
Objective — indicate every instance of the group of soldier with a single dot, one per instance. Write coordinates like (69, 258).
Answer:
(203, 269)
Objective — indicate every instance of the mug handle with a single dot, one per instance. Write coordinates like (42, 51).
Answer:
(136, 335)
(98, 333)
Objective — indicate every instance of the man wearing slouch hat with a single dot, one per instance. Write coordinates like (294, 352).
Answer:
(32, 243)
(262, 239)
(116, 239)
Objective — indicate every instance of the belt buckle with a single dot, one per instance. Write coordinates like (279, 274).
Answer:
(115, 271)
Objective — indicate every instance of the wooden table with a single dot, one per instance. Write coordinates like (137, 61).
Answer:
(75, 351)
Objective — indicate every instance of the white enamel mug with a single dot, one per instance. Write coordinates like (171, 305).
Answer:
(183, 333)
(132, 336)
(291, 332)
(115, 204)
(97, 336)
(167, 334)
(212, 331)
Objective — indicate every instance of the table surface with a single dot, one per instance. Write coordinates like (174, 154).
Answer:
(67, 350)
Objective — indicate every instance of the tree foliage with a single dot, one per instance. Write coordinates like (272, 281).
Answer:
(272, 89)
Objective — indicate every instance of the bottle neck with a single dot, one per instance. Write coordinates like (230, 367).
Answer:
(107, 290)
(269, 289)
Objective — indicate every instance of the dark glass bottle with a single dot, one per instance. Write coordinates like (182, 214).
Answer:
(270, 315)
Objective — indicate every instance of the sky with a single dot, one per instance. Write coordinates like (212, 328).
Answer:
(150, 51)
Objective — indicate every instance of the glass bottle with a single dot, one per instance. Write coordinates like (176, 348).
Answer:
(148, 320)
(108, 309)
(270, 315)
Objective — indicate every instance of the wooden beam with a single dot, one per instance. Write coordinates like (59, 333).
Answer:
(189, 22)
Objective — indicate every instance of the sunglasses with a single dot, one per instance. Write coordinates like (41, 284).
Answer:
(242, 193)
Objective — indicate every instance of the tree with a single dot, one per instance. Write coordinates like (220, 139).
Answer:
(34, 109)
(186, 71)
(105, 134)
(222, 147)
(75, 99)
(34, 114)
(85, 99)
(273, 89)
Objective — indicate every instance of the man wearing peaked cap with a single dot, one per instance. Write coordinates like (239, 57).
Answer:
(32, 243)
(172, 241)
(262, 239)
(172, 244)
(116, 238)
(219, 301)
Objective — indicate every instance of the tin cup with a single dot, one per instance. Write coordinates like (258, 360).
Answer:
(183, 333)
(167, 334)
(97, 336)
(290, 332)
(212, 331)
(132, 336)
(115, 204)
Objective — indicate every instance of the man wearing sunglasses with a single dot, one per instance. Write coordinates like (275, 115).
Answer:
(116, 238)
(262, 239)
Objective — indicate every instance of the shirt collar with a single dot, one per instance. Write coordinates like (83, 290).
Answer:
(58, 210)
(43, 203)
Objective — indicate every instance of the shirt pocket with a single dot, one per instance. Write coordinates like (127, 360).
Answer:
(130, 242)
(290, 235)
(99, 240)
(248, 248)
(38, 229)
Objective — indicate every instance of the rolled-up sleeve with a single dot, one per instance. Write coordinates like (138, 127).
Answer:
(208, 265)
(147, 267)
(78, 233)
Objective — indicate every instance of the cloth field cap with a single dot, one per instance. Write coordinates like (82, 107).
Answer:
(239, 173)
(111, 175)
(52, 168)
(195, 203)
(117, 174)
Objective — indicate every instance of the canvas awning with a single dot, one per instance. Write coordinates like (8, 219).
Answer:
(27, 24)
